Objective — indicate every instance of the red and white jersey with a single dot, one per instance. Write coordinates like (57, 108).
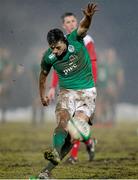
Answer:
(89, 43)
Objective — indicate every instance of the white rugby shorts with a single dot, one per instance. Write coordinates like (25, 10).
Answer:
(77, 100)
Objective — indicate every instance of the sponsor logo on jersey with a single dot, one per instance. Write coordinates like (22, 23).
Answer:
(51, 56)
(71, 48)
(69, 69)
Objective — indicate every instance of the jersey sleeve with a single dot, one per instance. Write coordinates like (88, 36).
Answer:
(89, 44)
(74, 36)
(54, 80)
(45, 65)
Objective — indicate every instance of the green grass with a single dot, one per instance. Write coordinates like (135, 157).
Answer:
(22, 147)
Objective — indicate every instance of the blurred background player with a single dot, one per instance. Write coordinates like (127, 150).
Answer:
(37, 108)
(110, 83)
(8, 72)
(115, 83)
(69, 23)
(102, 83)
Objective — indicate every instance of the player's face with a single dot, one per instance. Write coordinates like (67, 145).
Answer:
(70, 23)
(58, 48)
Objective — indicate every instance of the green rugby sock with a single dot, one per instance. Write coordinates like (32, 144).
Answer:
(59, 139)
(66, 147)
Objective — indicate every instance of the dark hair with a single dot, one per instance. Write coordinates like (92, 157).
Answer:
(66, 14)
(55, 35)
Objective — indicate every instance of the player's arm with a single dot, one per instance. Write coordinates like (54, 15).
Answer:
(91, 50)
(53, 85)
(86, 21)
(45, 69)
(42, 87)
(94, 70)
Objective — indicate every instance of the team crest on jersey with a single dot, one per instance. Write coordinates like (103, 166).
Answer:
(51, 56)
(71, 48)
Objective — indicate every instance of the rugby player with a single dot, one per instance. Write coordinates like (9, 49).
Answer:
(70, 23)
(77, 96)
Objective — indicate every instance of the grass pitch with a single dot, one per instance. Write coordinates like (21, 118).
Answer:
(22, 147)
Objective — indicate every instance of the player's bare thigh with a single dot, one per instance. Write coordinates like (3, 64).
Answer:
(81, 115)
(62, 110)
(85, 106)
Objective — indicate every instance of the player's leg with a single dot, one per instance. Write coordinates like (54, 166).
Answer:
(91, 142)
(79, 114)
(54, 154)
(61, 138)
(64, 111)
(67, 147)
(46, 172)
(86, 112)
(90, 147)
(74, 153)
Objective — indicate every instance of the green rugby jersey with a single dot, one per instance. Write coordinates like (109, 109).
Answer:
(103, 75)
(74, 69)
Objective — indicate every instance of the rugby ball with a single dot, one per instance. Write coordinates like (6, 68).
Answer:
(79, 129)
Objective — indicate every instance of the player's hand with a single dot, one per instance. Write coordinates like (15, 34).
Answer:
(45, 101)
(90, 9)
(51, 94)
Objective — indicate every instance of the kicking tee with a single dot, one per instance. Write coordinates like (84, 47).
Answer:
(74, 69)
